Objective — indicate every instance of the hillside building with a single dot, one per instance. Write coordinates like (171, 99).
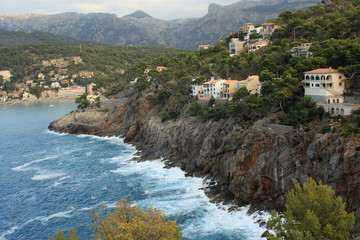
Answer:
(236, 46)
(6, 75)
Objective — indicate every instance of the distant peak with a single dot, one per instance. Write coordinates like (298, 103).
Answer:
(213, 7)
(139, 14)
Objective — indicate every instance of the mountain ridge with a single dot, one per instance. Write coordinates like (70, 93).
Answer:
(141, 29)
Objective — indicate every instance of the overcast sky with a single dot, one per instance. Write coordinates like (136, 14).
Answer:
(162, 9)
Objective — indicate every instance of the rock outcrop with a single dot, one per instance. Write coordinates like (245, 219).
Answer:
(253, 163)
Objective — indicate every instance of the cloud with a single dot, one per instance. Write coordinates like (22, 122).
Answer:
(89, 7)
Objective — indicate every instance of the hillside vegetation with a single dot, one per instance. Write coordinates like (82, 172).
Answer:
(280, 72)
(11, 39)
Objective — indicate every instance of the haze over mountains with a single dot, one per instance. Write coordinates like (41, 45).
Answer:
(141, 29)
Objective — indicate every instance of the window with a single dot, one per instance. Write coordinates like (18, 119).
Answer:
(307, 84)
(339, 77)
(328, 100)
(317, 85)
(340, 84)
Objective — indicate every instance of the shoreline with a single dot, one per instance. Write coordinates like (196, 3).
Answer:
(14, 102)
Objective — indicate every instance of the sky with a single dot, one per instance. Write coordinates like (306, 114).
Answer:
(162, 9)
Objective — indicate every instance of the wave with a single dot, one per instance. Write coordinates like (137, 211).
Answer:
(47, 176)
(24, 166)
(42, 219)
(177, 196)
(56, 133)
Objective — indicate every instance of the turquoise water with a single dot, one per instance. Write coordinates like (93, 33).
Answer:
(50, 181)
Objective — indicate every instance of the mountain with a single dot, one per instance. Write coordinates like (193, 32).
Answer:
(11, 39)
(140, 29)
(139, 14)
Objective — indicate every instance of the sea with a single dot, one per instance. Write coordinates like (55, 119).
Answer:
(51, 182)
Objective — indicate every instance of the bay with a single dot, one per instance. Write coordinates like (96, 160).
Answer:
(51, 181)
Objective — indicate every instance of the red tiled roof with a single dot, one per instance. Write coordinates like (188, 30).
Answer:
(323, 70)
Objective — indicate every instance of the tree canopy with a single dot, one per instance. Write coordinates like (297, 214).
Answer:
(132, 223)
(312, 213)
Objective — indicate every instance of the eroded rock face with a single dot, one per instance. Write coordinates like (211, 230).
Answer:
(254, 163)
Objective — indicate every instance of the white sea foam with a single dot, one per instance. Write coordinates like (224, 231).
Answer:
(42, 219)
(9, 232)
(187, 197)
(24, 166)
(47, 176)
(60, 181)
(56, 133)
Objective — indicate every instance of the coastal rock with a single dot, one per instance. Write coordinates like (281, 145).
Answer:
(252, 163)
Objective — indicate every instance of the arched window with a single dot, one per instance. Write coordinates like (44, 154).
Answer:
(312, 77)
(329, 77)
(337, 111)
(317, 78)
(329, 101)
(322, 77)
(342, 112)
(307, 77)
(332, 110)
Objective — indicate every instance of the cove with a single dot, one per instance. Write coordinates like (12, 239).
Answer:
(50, 181)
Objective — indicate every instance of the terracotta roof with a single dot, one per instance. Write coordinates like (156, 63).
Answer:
(212, 81)
(230, 81)
(243, 81)
(323, 70)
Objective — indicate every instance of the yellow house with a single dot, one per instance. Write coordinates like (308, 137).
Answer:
(229, 88)
(252, 84)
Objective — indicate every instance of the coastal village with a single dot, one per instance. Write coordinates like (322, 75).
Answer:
(56, 84)
(326, 86)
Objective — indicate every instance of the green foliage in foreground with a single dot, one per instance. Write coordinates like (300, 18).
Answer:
(129, 222)
(71, 235)
(312, 213)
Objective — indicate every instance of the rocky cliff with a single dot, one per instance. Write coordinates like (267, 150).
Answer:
(251, 162)
(140, 29)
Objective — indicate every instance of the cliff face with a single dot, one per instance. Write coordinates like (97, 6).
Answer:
(254, 163)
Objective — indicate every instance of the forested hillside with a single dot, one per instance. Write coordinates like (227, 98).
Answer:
(333, 46)
(11, 39)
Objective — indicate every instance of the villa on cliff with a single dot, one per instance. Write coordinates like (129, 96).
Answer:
(224, 89)
(326, 87)
(237, 45)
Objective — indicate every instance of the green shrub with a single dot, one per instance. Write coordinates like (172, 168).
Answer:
(325, 128)
(165, 116)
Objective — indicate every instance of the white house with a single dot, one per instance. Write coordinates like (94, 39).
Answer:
(236, 46)
(211, 89)
(324, 85)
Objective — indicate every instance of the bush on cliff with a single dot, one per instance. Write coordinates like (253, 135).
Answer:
(128, 222)
(312, 212)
